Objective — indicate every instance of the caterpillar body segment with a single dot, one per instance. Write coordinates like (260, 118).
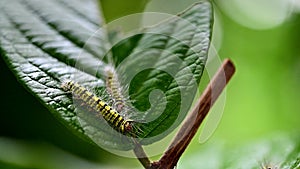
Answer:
(92, 102)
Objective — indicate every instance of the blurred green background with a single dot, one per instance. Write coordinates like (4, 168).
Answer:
(262, 39)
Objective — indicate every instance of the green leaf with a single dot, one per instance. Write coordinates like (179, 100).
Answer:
(38, 155)
(169, 57)
(280, 151)
(38, 46)
(45, 43)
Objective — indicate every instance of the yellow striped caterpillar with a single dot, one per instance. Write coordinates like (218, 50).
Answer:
(92, 102)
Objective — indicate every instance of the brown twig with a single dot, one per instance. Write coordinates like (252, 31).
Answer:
(192, 122)
(195, 118)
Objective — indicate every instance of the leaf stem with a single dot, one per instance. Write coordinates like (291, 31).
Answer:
(141, 155)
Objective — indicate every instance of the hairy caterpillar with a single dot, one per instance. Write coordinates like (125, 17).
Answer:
(87, 98)
(266, 165)
(114, 88)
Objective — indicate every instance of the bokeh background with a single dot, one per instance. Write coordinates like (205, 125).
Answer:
(262, 37)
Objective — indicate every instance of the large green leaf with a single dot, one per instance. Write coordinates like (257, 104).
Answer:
(47, 42)
(279, 151)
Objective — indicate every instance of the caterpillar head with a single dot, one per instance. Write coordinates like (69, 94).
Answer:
(128, 127)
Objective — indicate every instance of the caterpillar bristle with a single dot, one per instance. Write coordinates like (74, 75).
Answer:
(115, 90)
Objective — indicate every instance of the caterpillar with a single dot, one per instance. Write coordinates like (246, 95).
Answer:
(87, 98)
(114, 88)
(266, 165)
